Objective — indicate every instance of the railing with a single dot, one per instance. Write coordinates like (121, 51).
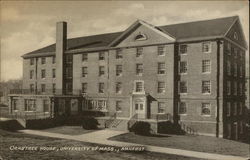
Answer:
(132, 120)
(110, 120)
(165, 116)
(28, 115)
(188, 129)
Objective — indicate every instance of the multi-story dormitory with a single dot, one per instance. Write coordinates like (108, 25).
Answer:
(193, 73)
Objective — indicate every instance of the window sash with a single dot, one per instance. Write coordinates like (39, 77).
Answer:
(43, 72)
(160, 50)
(119, 54)
(101, 70)
(206, 66)
(182, 108)
(118, 87)
(101, 87)
(118, 70)
(183, 49)
(138, 86)
(161, 107)
(161, 87)
(139, 51)
(183, 67)
(206, 47)
(84, 87)
(161, 68)
(139, 69)
(84, 57)
(84, 71)
(206, 109)
(118, 106)
(206, 87)
(183, 87)
(101, 56)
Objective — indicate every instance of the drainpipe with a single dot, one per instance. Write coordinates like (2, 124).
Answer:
(218, 88)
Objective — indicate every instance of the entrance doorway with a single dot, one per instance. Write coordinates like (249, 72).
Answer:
(140, 109)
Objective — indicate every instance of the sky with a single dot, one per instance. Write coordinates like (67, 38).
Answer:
(29, 25)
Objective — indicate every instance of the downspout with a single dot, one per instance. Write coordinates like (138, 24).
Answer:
(218, 88)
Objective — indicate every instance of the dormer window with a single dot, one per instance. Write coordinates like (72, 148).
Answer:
(140, 37)
(236, 36)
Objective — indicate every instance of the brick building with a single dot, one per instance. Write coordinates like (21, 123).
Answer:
(191, 73)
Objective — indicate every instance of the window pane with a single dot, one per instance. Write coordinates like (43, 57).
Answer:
(206, 66)
(161, 107)
(161, 50)
(139, 87)
(139, 52)
(101, 56)
(183, 87)
(118, 70)
(84, 71)
(206, 87)
(139, 69)
(206, 109)
(118, 54)
(161, 87)
(118, 87)
(183, 67)
(161, 68)
(182, 108)
(183, 49)
(84, 57)
(206, 47)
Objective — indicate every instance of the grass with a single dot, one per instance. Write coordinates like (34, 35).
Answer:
(194, 143)
(69, 130)
(9, 139)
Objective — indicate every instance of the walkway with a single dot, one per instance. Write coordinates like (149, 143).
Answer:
(101, 137)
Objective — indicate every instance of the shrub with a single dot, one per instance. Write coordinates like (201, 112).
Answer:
(89, 123)
(141, 128)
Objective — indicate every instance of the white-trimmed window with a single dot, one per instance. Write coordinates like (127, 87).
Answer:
(118, 87)
(139, 86)
(229, 69)
(161, 68)
(101, 88)
(161, 107)
(32, 60)
(182, 108)
(183, 87)
(31, 74)
(53, 73)
(235, 108)
(228, 87)
(101, 105)
(45, 105)
(228, 48)
(84, 87)
(206, 66)
(139, 69)
(206, 109)
(69, 72)
(85, 57)
(235, 88)
(119, 54)
(161, 50)
(183, 67)
(101, 70)
(240, 89)
(43, 87)
(206, 87)
(43, 60)
(102, 55)
(43, 73)
(118, 106)
(118, 70)
(228, 109)
(139, 52)
(14, 104)
(29, 105)
(84, 71)
(241, 71)
(240, 108)
(183, 49)
(32, 88)
(206, 47)
(235, 69)
(241, 127)
(53, 59)
(54, 88)
(161, 87)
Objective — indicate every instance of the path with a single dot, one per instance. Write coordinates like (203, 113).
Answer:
(101, 137)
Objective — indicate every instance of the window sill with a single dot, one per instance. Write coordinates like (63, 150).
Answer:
(161, 113)
(206, 93)
(205, 72)
(184, 114)
(183, 94)
(205, 115)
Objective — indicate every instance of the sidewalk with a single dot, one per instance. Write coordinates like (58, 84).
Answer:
(101, 137)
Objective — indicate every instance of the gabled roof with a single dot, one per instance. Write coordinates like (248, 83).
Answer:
(215, 28)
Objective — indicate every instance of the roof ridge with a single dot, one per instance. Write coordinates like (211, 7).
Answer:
(236, 16)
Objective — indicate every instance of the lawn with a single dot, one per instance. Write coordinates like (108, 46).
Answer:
(69, 130)
(194, 143)
(8, 139)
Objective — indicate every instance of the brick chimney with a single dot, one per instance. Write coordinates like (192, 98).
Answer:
(61, 45)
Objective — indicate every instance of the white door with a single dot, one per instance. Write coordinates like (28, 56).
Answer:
(140, 109)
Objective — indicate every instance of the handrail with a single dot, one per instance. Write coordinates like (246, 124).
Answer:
(165, 116)
(188, 129)
(110, 120)
(132, 120)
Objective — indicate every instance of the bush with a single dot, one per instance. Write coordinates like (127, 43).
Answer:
(141, 128)
(89, 123)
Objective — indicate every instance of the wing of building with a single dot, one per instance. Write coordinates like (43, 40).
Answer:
(190, 74)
